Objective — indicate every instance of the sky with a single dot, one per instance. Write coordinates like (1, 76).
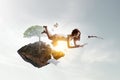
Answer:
(99, 60)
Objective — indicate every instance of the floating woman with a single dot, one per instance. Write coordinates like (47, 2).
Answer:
(75, 36)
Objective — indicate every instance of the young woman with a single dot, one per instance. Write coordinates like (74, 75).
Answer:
(75, 36)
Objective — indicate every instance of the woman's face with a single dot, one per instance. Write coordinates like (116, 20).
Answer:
(78, 35)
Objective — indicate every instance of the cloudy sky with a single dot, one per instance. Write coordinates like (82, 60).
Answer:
(99, 60)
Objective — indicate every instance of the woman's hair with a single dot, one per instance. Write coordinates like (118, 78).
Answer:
(75, 32)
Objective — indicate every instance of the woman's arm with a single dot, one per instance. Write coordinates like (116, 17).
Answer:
(79, 45)
(68, 43)
(75, 45)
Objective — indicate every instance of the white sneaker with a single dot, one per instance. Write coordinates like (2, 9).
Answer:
(54, 61)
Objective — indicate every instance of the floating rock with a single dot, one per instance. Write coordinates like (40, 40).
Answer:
(38, 53)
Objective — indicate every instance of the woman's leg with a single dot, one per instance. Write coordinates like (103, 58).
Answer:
(54, 42)
(48, 34)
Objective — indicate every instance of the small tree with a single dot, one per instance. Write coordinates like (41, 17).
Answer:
(33, 31)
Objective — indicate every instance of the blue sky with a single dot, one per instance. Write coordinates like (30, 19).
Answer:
(99, 60)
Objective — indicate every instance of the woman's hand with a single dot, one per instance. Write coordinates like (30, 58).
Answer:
(81, 45)
(78, 46)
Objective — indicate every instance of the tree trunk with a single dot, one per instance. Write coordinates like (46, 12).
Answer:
(39, 38)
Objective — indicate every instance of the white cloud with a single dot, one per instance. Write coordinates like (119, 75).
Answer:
(94, 56)
(82, 63)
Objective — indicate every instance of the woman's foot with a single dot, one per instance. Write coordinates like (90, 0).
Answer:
(43, 32)
(44, 26)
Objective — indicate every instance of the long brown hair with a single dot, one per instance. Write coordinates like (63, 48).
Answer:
(75, 32)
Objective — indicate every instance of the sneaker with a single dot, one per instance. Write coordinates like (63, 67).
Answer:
(54, 61)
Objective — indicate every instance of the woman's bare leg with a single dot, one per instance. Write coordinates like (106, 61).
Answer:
(48, 34)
